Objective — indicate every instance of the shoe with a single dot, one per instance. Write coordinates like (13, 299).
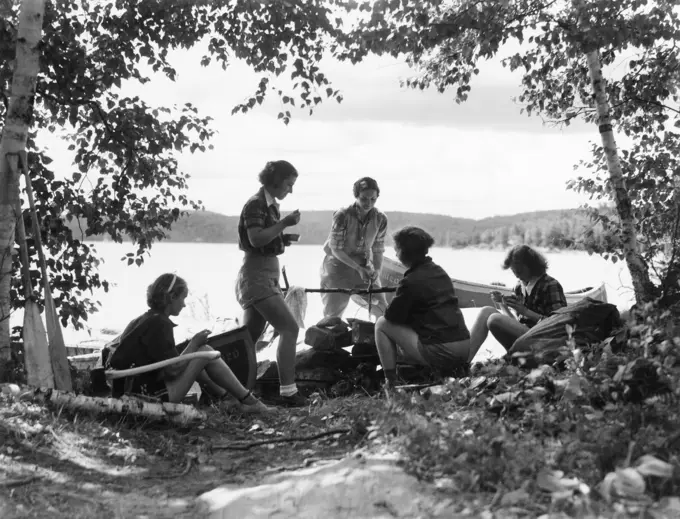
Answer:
(296, 400)
(257, 407)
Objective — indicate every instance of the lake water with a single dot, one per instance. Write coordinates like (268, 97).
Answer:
(210, 270)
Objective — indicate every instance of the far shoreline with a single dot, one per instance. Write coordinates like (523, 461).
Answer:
(474, 248)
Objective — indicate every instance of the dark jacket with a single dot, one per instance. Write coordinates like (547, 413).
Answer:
(426, 302)
(146, 339)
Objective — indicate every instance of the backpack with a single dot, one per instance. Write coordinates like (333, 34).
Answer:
(592, 321)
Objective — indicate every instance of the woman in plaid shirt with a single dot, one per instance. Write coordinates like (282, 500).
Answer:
(261, 238)
(536, 296)
(354, 250)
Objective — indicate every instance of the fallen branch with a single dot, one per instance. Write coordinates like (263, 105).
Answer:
(235, 446)
(13, 483)
(418, 386)
(175, 413)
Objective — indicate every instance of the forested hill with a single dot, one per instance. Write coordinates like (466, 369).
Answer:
(558, 228)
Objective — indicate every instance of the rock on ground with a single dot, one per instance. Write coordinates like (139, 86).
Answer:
(354, 487)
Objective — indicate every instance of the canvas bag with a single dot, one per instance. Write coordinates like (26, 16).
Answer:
(331, 333)
(592, 321)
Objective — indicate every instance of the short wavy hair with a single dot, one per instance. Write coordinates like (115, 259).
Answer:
(413, 242)
(164, 290)
(363, 184)
(525, 255)
(275, 172)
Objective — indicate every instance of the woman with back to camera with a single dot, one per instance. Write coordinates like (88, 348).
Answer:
(423, 323)
(536, 295)
(354, 250)
(261, 238)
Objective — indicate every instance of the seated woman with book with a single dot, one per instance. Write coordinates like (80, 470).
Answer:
(149, 339)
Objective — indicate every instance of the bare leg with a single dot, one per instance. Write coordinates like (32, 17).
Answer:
(334, 304)
(209, 385)
(480, 330)
(388, 336)
(378, 309)
(505, 329)
(253, 320)
(218, 372)
(276, 312)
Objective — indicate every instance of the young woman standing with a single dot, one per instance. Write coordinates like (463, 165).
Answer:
(261, 238)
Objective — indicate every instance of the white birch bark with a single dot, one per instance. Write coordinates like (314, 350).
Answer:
(176, 413)
(639, 270)
(14, 136)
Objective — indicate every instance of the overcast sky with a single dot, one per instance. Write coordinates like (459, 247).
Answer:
(428, 154)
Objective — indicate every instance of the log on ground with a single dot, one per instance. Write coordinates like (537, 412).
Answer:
(175, 413)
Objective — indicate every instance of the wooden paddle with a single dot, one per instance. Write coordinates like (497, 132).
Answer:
(55, 338)
(36, 349)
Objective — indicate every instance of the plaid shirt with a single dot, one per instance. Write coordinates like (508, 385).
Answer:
(259, 214)
(546, 297)
(358, 238)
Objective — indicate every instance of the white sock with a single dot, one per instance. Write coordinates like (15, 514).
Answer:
(289, 390)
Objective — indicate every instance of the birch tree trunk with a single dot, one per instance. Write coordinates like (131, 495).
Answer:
(639, 271)
(177, 413)
(14, 136)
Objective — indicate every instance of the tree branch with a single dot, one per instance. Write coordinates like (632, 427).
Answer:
(656, 103)
(239, 446)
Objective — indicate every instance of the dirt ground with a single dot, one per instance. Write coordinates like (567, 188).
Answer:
(58, 464)
(503, 443)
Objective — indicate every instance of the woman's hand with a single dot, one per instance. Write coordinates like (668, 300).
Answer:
(496, 296)
(198, 340)
(516, 305)
(368, 274)
(291, 219)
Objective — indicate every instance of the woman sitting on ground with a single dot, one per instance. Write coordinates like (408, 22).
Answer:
(149, 338)
(423, 323)
(354, 250)
(536, 295)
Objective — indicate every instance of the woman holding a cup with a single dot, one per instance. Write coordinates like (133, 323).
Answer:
(261, 238)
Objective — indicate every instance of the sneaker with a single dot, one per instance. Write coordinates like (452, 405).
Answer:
(296, 400)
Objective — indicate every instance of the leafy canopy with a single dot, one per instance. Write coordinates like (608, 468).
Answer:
(126, 179)
(446, 41)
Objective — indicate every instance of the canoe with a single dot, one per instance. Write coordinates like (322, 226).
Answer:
(472, 295)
